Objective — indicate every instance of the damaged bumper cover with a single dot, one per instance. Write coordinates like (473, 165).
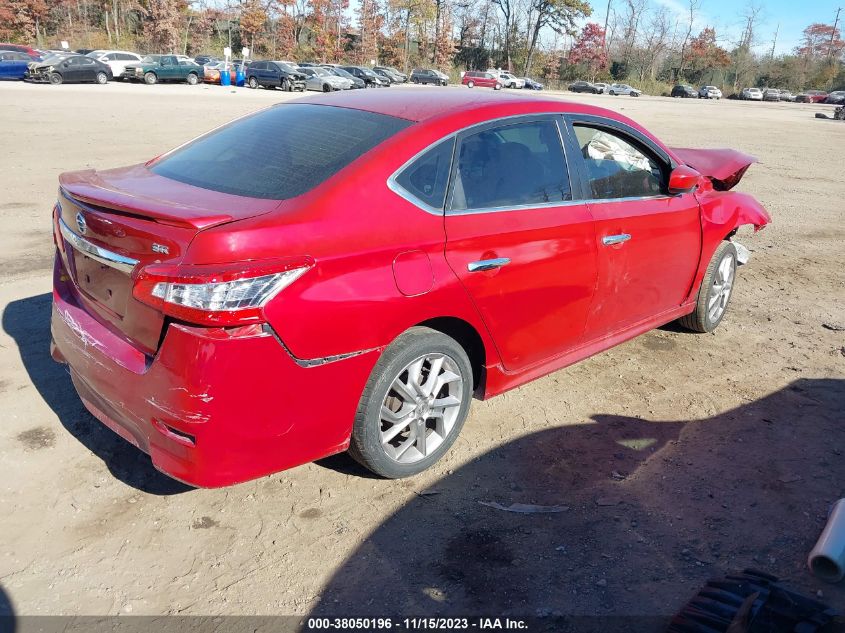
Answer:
(212, 407)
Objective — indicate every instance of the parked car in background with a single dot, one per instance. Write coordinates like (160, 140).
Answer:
(785, 95)
(13, 64)
(275, 74)
(204, 288)
(83, 51)
(583, 86)
(709, 92)
(385, 75)
(811, 96)
(771, 94)
(69, 69)
(212, 72)
(339, 72)
(19, 48)
(531, 84)
(624, 89)
(473, 78)
(684, 91)
(507, 79)
(396, 76)
(319, 79)
(366, 75)
(202, 60)
(430, 76)
(116, 60)
(602, 87)
(751, 94)
(837, 97)
(161, 68)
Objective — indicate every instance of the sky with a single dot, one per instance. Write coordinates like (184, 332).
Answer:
(789, 17)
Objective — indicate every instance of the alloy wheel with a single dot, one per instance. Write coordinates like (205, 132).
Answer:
(720, 291)
(421, 408)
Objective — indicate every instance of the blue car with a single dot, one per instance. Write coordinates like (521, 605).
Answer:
(13, 64)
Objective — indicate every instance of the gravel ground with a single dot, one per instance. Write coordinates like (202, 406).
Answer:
(678, 457)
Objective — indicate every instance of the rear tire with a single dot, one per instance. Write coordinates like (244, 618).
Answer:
(150, 78)
(102, 78)
(713, 296)
(192, 79)
(424, 378)
(497, 87)
(56, 79)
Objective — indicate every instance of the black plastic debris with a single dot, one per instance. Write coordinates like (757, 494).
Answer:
(753, 602)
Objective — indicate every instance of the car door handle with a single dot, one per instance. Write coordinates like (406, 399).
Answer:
(488, 264)
(610, 240)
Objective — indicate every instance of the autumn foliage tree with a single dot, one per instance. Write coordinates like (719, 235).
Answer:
(588, 49)
(705, 54)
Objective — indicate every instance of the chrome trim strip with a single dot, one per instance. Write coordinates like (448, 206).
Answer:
(610, 240)
(313, 362)
(109, 258)
(488, 264)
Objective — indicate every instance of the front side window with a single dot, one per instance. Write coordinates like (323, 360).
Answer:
(512, 165)
(278, 153)
(616, 167)
(427, 177)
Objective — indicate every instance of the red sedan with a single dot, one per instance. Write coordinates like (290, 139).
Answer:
(270, 294)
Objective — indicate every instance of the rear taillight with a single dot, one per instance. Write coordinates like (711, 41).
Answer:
(220, 295)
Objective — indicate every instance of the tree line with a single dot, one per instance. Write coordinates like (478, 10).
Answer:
(638, 41)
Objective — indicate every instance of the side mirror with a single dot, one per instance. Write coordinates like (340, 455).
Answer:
(683, 179)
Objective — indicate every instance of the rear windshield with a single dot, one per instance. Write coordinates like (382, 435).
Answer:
(279, 153)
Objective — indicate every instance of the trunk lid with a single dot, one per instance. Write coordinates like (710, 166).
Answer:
(724, 167)
(111, 224)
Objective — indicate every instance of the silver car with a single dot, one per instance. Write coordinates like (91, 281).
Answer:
(623, 89)
(321, 80)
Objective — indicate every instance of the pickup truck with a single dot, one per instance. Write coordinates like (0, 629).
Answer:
(154, 68)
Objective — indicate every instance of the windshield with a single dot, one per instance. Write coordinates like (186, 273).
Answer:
(286, 67)
(341, 73)
(280, 152)
(320, 72)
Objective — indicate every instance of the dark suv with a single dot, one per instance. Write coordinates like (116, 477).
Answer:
(271, 74)
(684, 91)
(428, 76)
(371, 79)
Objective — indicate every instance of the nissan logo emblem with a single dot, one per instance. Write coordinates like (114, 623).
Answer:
(80, 222)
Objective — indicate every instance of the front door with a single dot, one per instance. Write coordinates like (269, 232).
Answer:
(522, 247)
(648, 241)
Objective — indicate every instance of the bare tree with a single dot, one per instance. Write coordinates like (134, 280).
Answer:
(694, 6)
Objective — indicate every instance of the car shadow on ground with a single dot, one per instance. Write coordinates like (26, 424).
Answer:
(652, 510)
(27, 321)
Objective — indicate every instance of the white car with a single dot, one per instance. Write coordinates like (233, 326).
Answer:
(603, 88)
(623, 89)
(116, 60)
(507, 80)
(321, 80)
(709, 92)
(752, 94)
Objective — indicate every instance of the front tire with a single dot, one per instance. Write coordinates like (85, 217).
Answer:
(413, 405)
(150, 78)
(327, 88)
(715, 292)
(252, 82)
(55, 79)
(470, 84)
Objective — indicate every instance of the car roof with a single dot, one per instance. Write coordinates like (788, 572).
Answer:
(427, 103)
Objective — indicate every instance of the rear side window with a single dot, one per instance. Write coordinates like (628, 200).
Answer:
(510, 166)
(616, 167)
(427, 177)
(279, 153)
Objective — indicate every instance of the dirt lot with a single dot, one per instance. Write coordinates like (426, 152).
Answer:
(678, 456)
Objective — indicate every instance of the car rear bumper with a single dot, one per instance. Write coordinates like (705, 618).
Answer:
(212, 407)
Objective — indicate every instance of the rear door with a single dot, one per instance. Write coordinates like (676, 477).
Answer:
(523, 248)
(88, 69)
(648, 242)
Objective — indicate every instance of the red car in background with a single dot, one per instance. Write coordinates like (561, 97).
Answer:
(211, 72)
(473, 78)
(19, 48)
(811, 96)
(244, 304)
